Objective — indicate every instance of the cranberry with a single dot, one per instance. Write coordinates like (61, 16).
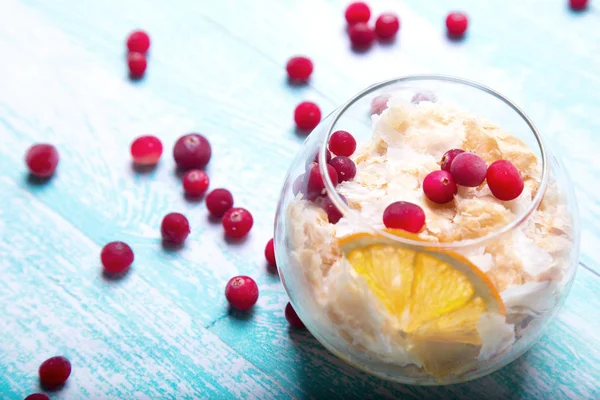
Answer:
(423, 96)
(270, 253)
(54, 371)
(192, 151)
(298, 185)
(504, 180)
(361, 35)
(116, 257)
(219, 201)
(439, 187)
(299, 68)
(37, 396)
(578, 5)
(42, 160)
(404, 215)
(456, 22)
(237, 222)
(138, 41)
(292, 317)
(307, 116)
(241, 292)
(448, 157)
(137, 65)
(468, 169)
(357, 12)
(175, 228)
(146, 150)
(315, 159)
(379, 104)
(387, 26)
(195, 182)
(315, 185)
(345, 168)
(333, 213)
(342, 143)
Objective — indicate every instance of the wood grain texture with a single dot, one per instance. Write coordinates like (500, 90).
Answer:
(216, 67)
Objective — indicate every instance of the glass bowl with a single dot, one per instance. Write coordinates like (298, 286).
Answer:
(476, 286)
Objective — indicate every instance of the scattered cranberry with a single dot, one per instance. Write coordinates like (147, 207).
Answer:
(361, 35)
(468, 169)
(504, 180)
(423, 96)
(292, 317)
(219, 201)
(379, 104)
(137, 65)
(175, 228)
(357, 12)
(439, 187)
(333, 213)
(42, 160)
(448, 157)
(146, 150)
(345, 168)
(299, 68)
(138, 41)
(298, 184)
(307, 115)
(54, 371)
(456, 22)
(578, 5)
(387, 26)
(241, 292)
(270, 253)
(195, 182)
(342, 143)
(116, 257)
(37, 396)
(315, 185)
(404, 215)
(237, 222)
(192, 151)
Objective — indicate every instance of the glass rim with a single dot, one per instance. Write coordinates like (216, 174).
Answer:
(346, 210)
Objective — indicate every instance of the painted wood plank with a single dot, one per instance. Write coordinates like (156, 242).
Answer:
(124, 337)
(94, 138)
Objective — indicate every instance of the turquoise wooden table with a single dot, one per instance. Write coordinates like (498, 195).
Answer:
(217, 67)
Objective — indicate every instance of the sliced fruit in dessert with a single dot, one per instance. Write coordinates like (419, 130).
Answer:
(437, 296)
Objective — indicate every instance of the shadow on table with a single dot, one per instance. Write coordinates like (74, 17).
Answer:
(322, 375)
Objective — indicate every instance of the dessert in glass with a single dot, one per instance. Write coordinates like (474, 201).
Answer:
(425, 233)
